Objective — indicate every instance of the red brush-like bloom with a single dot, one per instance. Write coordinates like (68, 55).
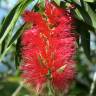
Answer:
(48, 48)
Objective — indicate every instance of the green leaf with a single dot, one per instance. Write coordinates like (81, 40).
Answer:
(76, 1)
(19, 32)
(4, 43)
(90, 0)
(87, 15)
(85, 39)
(16, 35)
(18, 12)
(7, 20)
(42, 3)
(17, 54)
(91, 13)
(57, 2)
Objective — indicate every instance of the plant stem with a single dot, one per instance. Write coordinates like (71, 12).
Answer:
(93, 85)
(18, 89)
(1, 56)
(50, 89)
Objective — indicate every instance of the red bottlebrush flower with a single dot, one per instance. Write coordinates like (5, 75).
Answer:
(48, 48)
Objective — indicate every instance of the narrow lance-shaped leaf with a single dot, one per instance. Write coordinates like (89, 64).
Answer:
(19, 11)
(16, 35)
(7, 20)
(19, 32)
(15, 18)
(90, 0)
(91, 13)
(17, 55)
(3, 45)
(81, 14)
(87, 15)
(57, 2)
(5, 24)
(85, 40)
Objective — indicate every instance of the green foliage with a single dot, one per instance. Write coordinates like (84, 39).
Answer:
(7, 20)
(57, 2)
(90, 0)
(86, 14)
(10, 22)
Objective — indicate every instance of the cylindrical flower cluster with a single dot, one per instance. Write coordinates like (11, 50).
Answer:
(48, 48)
